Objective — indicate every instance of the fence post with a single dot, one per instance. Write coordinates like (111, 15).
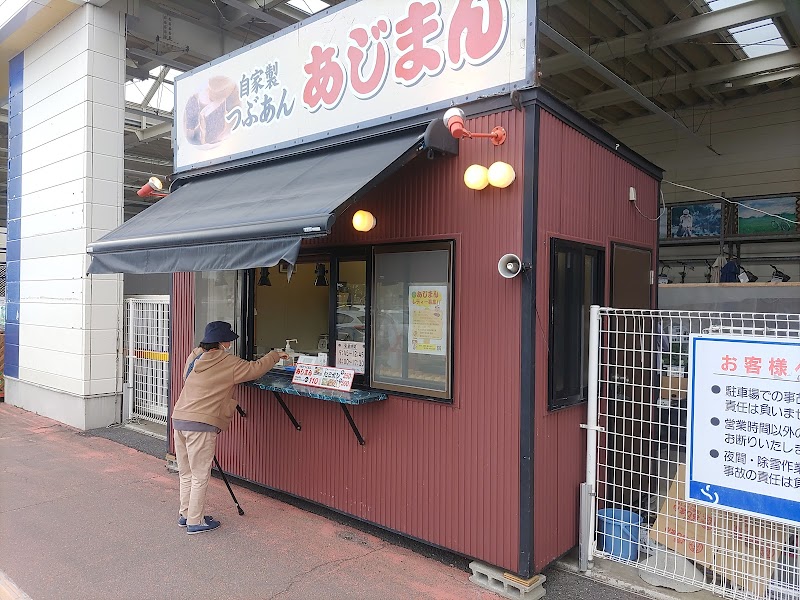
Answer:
(588, 500)
(131, 361)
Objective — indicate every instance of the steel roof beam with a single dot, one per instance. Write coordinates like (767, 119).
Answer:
(154, 87)
(673, 33)
(669, 52)
(135, 110)
(191, 34)
(623, 87)
(684, 81)
(159, 59)
(258, 13)
(744, 82)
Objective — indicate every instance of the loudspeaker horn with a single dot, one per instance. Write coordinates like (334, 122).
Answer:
(509, 266)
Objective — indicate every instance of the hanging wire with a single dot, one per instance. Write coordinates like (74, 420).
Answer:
(737, 203)
(661, 214)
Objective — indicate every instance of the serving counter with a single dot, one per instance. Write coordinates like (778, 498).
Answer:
(279, 383)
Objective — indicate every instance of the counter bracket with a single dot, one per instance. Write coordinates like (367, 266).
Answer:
(352, 424)
(286, 410)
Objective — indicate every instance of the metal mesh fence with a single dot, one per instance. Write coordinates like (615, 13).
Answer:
(147, 357)
(638, 457)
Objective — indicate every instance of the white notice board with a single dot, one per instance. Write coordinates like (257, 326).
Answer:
(350, 355)
(744, 425)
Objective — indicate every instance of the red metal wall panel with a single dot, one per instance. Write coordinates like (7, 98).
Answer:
(182, 321)
(583, 196)
(446, 474)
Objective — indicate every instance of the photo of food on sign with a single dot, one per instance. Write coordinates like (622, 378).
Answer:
(204, 114)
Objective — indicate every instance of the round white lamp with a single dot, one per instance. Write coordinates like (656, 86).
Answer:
(501, 174)
(364, 220)
(476, 177)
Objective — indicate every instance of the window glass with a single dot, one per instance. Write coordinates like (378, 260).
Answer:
(351, 315)
(576, 284)
(295, 309)
(412, 299)
(217, 298)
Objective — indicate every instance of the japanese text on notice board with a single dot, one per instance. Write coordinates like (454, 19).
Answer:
(427, 319)
(350, 355)
(744, 425)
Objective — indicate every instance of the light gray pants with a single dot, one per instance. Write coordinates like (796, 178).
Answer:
(194, 451)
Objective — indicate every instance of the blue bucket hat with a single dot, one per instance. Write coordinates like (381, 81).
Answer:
(218, 331)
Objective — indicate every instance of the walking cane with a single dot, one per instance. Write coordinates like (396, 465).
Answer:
(228, 485)
(240, 410)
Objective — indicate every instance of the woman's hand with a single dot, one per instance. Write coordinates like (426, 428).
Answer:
(282, 355)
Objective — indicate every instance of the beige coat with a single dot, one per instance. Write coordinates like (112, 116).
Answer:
(208, 390)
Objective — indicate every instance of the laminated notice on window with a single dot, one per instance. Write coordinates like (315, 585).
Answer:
(324, 377)
(427, 319)
(350, 355)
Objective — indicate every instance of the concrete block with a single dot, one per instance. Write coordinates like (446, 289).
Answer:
(505, 584)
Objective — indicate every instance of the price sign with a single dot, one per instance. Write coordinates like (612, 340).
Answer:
(324, 377)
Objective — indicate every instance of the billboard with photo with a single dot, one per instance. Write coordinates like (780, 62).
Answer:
(768, 216)
(351, 66)
(696, 220)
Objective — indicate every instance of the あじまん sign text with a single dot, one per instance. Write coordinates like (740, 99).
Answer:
(364, 63)
(744, 425)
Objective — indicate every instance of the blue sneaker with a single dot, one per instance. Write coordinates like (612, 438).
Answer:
(206, 525)
(182, 520)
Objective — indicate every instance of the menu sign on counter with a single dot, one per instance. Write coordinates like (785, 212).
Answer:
(744, 425)
(350, 355)
(427, 319)
(324, 377)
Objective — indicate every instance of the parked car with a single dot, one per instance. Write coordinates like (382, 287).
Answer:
(351, 324)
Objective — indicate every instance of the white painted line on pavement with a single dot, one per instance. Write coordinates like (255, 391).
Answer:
(9, 589)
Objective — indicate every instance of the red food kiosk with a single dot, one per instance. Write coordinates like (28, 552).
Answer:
(323, 203)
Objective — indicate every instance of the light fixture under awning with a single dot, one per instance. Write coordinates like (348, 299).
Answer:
(256, 216)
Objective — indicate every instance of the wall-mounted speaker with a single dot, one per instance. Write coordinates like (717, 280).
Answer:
(509, 266)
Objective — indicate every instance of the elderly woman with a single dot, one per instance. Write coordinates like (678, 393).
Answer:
(205, 408)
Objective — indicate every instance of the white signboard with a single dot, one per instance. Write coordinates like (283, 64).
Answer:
(324, 377)
(744, 425)
(350, 355)
(427, 319)
(360, 63)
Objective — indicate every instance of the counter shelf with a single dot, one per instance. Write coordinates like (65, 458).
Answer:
(282, 384)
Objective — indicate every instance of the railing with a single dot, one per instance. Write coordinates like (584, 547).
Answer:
(147, 357)
(634, 505)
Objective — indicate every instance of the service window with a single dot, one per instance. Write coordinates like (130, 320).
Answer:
(383, 311)
(576, 282)
(292, 310)
(352, 302)
(217, 298)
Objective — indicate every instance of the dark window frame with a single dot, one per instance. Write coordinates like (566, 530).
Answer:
(445, 396)
(334, 256)
(571, 396)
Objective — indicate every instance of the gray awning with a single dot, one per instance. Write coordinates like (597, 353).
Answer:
(252, 216)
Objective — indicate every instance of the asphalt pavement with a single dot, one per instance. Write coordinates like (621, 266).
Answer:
(87, 515)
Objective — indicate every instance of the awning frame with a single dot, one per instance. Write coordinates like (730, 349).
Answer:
(194, 248)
